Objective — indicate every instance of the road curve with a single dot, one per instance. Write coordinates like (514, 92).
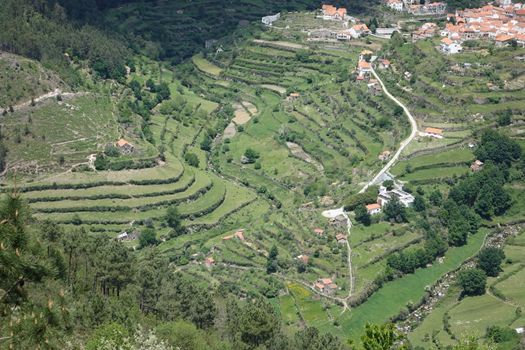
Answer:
(403, 144)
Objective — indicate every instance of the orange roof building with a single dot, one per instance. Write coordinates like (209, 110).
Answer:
(341, 238)
(122, 143)
(373, 208)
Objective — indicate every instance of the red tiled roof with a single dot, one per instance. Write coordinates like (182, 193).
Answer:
(122, 143)
(434, 131)
(364, 65)
(447, 41)
(372, 206)
(326, 281)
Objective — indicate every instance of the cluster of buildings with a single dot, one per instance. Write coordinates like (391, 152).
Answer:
(416, 8)
(330, 12)
(326, 285)
(354, 32)
(427, 30)
(502, 24)
(386, 195)
(352, 29)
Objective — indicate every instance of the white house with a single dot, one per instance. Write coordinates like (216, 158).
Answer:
(268, 20)
(373, 208)
(450, 47)
(358, 30)
(364, 67)
(344, 35)
(396, 5)
(386, 196)
(433, 132)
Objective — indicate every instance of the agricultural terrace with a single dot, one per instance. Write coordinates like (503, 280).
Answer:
(472, 315)
(459, 94)
(254, 141)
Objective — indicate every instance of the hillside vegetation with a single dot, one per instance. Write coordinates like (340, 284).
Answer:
(159, 195)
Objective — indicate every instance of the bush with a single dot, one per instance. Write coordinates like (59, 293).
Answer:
(251, 155)
(473, 281)
(192, 159)
(490, 259)
(147, 238)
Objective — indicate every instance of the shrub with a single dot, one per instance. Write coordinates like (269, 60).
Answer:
(473, 281)
(192, 159)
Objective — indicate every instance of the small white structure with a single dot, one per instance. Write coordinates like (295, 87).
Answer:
(122, 236)
(520, 330)
(385, 32)
(450, 47)
(344, 35)
(373, 208)
(268, 20)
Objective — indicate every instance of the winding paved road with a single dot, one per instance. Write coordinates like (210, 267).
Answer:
(403, 144)
(340, 211)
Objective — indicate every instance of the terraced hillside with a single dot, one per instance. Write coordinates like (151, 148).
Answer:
(458, 93)
(252, 142)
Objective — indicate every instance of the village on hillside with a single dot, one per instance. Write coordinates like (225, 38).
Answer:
(502, 22)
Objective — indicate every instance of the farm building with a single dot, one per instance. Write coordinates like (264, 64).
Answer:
(384, 64)
(303, 258)
(433, 132)
(341, 238)
(319, 231)
(373, 208)
(124, 146)
(326, 285)
(239, 235)
(385, 32)
(384, 155)
(476, 166)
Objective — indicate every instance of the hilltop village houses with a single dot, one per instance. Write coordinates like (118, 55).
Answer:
(503, 24)
(416, 8)
(350, 26)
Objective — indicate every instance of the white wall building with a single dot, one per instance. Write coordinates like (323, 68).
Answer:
(268, 20)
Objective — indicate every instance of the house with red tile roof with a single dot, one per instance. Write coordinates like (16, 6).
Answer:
(341, 238)
(450, 47)
(373, 208)
(319, 231)
(326, 285)
(433, 132)
(125, 146)
(331, 12)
